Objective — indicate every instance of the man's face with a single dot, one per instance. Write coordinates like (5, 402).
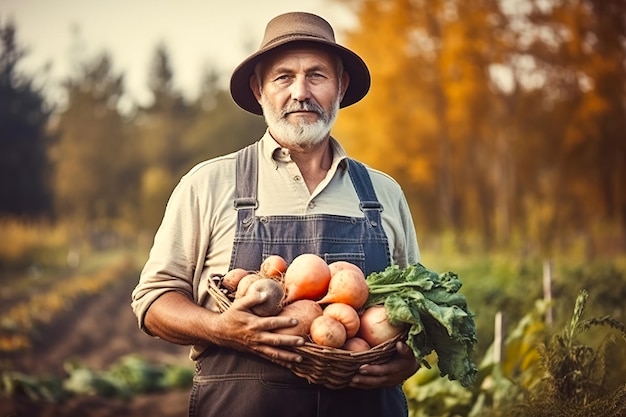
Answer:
(299, 89)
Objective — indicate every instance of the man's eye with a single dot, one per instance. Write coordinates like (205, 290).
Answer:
(317, 76)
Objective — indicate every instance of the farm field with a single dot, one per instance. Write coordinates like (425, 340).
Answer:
(97, 331)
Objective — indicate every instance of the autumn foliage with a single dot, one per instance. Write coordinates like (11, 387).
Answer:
(500, 119)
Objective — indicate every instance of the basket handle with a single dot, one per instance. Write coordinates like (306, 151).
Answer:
(215, 281)
(216, 292)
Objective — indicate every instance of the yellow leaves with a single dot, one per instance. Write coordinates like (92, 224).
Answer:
(420, 172)
(521, 352)
(13, 342)
(421, 55)
(155, 182)
(19, 240)
(585, 125)
(433, 118)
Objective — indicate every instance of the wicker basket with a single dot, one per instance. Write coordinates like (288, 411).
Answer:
(333, 368)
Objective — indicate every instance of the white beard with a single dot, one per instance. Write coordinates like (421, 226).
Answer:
(299, 134)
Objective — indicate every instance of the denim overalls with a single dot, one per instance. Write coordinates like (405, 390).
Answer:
(235, 384)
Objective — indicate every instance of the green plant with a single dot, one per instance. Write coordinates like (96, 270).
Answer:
(577, 380)
(127, 377)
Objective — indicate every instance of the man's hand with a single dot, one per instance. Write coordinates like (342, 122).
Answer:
(394, 372)
(239, 328)
(176, 318)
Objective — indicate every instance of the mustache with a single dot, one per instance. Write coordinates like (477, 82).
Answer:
(302, 106)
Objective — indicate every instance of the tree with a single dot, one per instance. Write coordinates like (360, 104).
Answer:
(159, 128)
(95, 179)
(165, 120)
(430, 64)
(220, 127)
(537, 151)
(582, 55)
(24, 115)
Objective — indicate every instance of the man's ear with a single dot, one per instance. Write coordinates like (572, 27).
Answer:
(255, 87)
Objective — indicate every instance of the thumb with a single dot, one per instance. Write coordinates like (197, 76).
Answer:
(251, 299)
(404, 350)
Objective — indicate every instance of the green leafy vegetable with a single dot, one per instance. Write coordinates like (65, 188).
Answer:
(436, 312)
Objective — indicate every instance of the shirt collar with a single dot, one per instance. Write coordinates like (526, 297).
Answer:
(274, 152)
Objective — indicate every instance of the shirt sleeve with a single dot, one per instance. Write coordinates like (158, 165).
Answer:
(172, 259)
(412, 252)
(397, 219)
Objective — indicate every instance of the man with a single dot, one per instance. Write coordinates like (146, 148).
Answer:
(294, 191)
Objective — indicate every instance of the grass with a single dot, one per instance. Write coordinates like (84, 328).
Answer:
(31, 244)
(20, 320)
(579, 379)
(41, 276)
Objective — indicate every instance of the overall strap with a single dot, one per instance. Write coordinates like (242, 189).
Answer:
(369, 204)
(246, 179)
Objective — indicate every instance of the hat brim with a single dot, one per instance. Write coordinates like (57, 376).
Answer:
(353, 64)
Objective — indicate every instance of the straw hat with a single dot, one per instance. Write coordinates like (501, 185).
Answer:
(298, 27)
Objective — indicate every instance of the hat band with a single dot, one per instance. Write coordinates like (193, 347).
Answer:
(296, 35)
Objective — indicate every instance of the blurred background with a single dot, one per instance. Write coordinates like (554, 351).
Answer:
(503, 120)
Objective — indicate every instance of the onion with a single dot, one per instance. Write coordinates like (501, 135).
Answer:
(375, 328)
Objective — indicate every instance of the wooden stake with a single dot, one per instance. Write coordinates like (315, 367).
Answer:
(547, 290)
(497, 339)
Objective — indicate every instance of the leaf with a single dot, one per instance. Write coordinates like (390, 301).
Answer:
(436, 312)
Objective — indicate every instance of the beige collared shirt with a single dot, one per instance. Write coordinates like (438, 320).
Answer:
(196, 236)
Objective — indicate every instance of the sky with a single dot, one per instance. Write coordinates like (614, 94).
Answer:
(197, 34)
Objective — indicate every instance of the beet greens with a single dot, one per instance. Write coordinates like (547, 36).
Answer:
(437, 313)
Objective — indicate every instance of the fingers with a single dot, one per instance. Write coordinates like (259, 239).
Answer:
(240, 312)
(250, 332)
(246, 331)
(404, 351)
(261, 323)
(368, 377)
(279, 356)
(401, 366)
(275, 322)
(275, 339)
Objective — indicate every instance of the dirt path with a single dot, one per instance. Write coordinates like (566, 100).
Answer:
(98, 332)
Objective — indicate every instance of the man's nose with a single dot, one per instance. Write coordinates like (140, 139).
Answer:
(300, 90)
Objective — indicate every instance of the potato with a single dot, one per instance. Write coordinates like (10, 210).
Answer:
(244, 284)
(233, 277)
(305, 311)
(326, 331)
(273, 303)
